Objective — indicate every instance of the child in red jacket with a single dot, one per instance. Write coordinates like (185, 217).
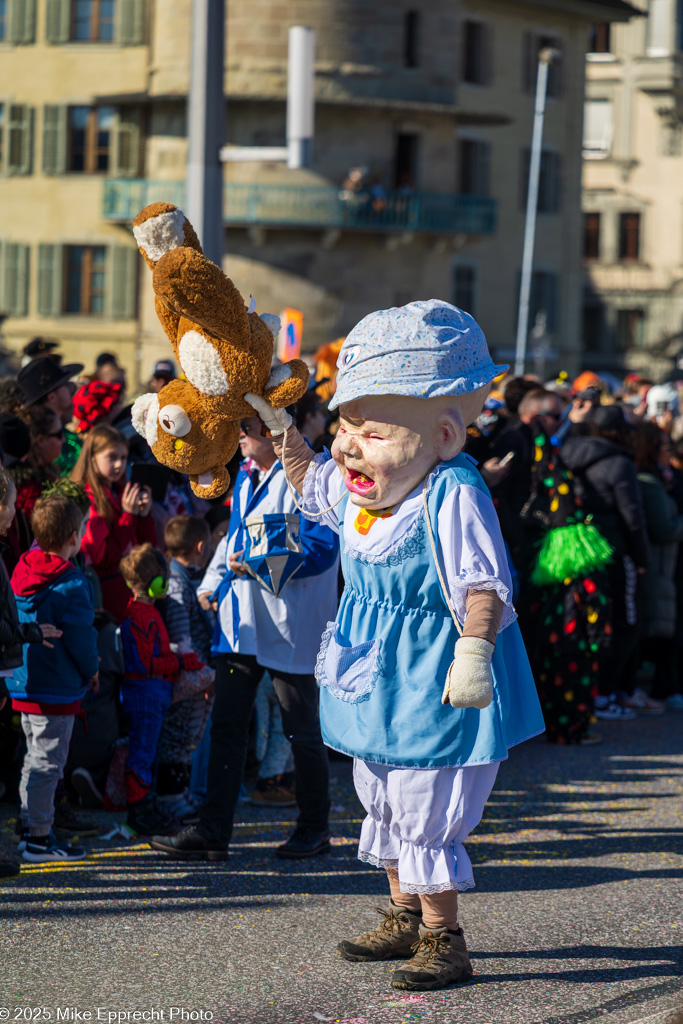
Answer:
(119, 516)
(150, 668)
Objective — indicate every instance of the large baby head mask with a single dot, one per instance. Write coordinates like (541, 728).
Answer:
(410, 381)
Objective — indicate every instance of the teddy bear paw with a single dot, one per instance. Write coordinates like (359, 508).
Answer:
(159, 234)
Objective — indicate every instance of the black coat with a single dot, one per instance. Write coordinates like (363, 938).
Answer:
(13, 634)
(512, 493)
(607, 483)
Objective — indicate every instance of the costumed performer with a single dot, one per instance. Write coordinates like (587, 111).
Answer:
(426, 572)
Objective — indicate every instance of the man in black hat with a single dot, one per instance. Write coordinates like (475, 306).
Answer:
(36, 348)
(43, 382)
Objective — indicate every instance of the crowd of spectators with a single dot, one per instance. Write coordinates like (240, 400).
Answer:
(141, 666)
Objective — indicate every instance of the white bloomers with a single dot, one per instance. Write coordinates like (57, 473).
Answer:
(417, 820)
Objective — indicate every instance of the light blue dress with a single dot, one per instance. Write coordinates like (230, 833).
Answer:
(383, 663)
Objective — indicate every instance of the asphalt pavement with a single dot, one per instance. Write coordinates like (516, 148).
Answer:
(577, 915)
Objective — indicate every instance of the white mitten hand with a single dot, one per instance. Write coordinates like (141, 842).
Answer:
(277, 420)
(469, 683)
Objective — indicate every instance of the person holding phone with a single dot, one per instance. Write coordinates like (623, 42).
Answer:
(119, 515)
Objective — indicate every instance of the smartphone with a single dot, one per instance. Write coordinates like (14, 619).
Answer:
(506, 458)
(152, 475)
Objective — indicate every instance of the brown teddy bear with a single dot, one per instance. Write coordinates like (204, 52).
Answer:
(224, 350)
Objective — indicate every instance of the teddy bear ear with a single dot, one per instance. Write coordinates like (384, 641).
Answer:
(273, 323)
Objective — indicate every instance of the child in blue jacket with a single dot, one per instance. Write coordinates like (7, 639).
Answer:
(48, 687)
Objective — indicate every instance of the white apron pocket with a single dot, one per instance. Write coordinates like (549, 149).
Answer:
(349, 673)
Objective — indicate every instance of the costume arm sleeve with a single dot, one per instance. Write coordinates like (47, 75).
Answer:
(483, 616)
(323, 487)
(297, 454)
(472, 552)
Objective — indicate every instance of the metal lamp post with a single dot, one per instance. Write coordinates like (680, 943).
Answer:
(206, 126)
(545, 58)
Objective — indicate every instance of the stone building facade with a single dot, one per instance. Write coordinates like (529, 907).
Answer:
(633, 192)
(428, 104)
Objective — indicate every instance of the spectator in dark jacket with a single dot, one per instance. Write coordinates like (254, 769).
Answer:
(48, 688)
(540, 412)
(150, 667)
(659, 604)
(13, 633)
(190, 628)
(602, 463)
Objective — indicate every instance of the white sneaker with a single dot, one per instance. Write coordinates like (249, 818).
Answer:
(39, 851)
(642, 704)
(608, 710)
(181, 806)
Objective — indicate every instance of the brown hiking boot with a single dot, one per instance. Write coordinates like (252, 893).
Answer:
(394, 937)
(440, 959)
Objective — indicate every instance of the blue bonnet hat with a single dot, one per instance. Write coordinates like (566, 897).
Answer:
(421, 350)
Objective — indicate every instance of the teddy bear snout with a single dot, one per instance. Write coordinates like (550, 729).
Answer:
(175, 421)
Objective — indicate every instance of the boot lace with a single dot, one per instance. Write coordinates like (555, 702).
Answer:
(389, 924)
(427, 948)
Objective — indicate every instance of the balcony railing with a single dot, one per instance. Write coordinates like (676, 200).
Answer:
(304, 206)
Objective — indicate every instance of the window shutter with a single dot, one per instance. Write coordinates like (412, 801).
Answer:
(123, 261)
(553, 182)
(19, 124)
(54, 139)
(15, 279)
(132, 22)
(487, 55)
(484, 169)
(23, 21)
(126, 161)
(50, 259)
(58, 22)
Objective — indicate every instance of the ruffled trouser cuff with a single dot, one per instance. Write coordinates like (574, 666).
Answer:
(422, 870)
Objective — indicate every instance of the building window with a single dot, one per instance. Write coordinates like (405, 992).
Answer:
(92, 21)
(465, 288)
(593, 328)
(630, 329)
(599, 37)
(598, 127)
(475, 167)
(533, 44)
(85, 279)
(89, 139)
(411, 39)
(549, 184)
(629, 236)
(3, 20)
(406, 163)
(591, 236)
(15, 138)
(475, 53)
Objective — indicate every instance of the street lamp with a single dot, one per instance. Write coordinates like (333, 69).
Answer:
(546, 57)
